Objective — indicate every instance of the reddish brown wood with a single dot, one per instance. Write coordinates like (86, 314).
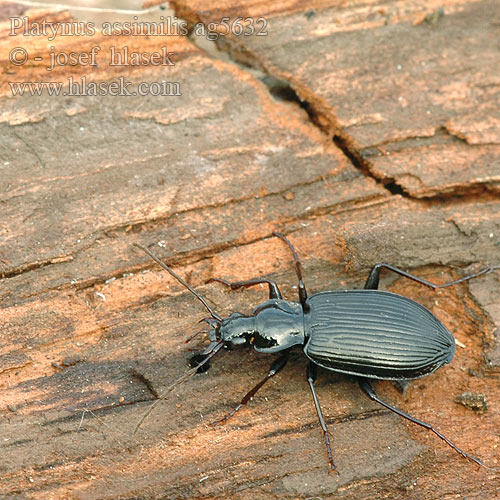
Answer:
(92, 330)
(408, 87)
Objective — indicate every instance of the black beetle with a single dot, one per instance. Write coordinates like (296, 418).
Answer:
(365, 333)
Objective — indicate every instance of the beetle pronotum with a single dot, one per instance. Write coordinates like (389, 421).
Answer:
(367, 333)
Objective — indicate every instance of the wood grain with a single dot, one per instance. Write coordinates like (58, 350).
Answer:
(92, 331)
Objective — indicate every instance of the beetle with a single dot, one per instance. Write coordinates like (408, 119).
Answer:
(366, 333)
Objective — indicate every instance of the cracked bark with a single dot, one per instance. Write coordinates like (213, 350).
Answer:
(365, 117)
(210, 199)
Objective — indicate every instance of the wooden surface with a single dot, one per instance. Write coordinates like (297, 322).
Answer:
(393, 156)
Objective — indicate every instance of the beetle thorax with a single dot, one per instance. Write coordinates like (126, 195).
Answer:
(274, 326)
(279, 325)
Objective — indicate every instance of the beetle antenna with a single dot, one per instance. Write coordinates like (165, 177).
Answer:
(181, 281)
(211, 350)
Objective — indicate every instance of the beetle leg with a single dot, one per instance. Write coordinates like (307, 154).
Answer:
(402, 385)
(275, 367)
(367, 388)
(298, 270)
(373, 278)
(311, 377)
(274, 291)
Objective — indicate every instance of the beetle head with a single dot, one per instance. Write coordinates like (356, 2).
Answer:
(236, 330)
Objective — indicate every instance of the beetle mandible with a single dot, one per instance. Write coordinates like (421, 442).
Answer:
(367, 333)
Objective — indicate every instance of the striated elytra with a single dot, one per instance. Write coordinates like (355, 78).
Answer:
(368, 333)
(375, 334)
